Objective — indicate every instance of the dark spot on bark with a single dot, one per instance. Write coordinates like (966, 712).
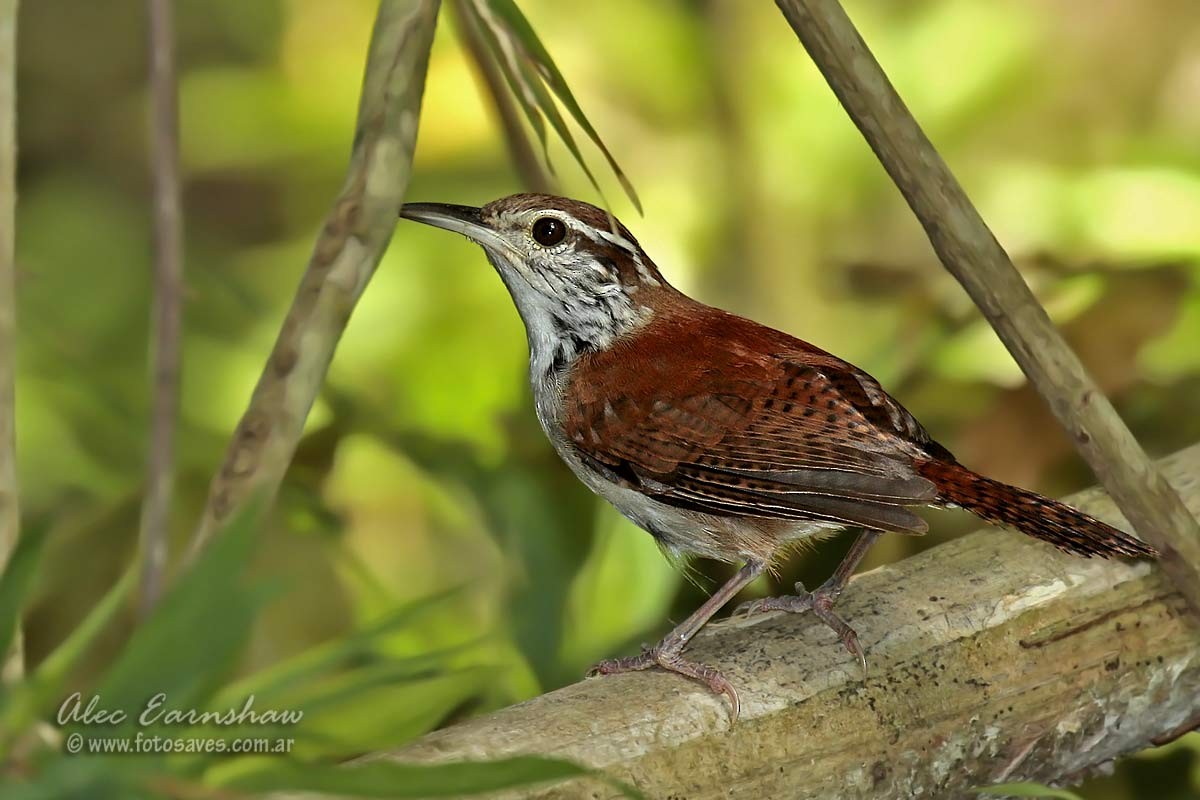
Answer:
(284, 361)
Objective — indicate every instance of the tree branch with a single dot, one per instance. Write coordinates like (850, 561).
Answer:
(10, 520)
(971, 253)
(991, 658)
(168, 298)
(347, 251)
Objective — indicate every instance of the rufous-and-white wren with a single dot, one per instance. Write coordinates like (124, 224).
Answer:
(721, 437)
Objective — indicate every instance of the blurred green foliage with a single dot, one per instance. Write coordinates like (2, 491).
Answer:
(337, 700)
(423, 469)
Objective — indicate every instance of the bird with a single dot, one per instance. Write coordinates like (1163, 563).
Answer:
(722, 438)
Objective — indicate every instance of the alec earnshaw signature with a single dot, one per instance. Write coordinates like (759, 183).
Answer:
(156, 711)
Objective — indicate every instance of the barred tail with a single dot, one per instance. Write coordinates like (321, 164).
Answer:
(1030, 513)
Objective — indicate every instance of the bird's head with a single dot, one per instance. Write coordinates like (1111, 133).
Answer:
(577, 276)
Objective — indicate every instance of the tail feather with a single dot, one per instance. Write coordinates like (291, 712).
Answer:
(1030, 513)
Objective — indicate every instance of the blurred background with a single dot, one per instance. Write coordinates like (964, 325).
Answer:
(1075, 126)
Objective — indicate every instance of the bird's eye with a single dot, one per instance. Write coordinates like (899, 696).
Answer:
(548, 231)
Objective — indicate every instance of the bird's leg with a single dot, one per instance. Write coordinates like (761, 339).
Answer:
(821, 601)
(667, 653)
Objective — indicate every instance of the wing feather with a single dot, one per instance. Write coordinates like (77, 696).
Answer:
(718, 414)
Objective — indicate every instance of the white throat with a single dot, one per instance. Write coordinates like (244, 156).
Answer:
(565, 320)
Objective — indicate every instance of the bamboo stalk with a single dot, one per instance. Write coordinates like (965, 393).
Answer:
(972, 255)
(10, 518)
(348, 249)
(992, 658)
(167, 320)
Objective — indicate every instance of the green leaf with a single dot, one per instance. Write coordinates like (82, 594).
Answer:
(355, 697)
(506, 60)
(1029, 790)
(623, 591)
(41, 692)
(195, 633)
(15, 584)
(395, 780)
(372, 710)
(95, 778)
(529, 68)
(318, 661)
(1176, 355)
(546, 104)
(537, 53)
(362, 712)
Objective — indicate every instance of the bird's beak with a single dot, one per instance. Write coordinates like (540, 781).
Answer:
(466, 220)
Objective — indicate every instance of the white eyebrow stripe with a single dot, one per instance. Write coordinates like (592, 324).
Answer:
(595, 234)
(619, 241)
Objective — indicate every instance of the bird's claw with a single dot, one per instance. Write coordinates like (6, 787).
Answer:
(669, 658)
(612, 666)
(820, 602)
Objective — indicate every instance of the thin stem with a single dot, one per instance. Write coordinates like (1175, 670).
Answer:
(348, 249)
(168, 299)
(971, 253)
(9, 513)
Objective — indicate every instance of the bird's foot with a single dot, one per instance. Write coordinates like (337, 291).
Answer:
(820, 603)
(667, 655)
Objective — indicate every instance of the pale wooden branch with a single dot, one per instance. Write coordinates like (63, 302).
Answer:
(972, 255)
(347, 251)
(10, 663)
(991, 658)
(520, 149)
(167, 320)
